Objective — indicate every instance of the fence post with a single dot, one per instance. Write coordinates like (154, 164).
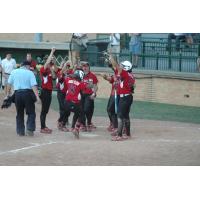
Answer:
(157, 58)
(180, 61)
(143, 54)
(169, 58)
(198, 49)
(1, 80)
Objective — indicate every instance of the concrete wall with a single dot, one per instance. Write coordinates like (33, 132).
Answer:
(50, 37)
(162, 90)
(60, 37)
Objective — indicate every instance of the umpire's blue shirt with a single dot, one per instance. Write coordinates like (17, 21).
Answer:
(22, 78)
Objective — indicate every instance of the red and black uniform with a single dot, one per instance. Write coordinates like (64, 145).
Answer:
(61, 92)
(33, 65)
(125, 89)
(46, 94)
(73, 89)
(88, 103)
(112, 105)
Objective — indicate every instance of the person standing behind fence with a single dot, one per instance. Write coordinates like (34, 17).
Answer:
(32, 63)
(114, 45)
(8, 65)
(135, 48)
(178, 37)
(47, 73)
(78, 43)
(26, 94)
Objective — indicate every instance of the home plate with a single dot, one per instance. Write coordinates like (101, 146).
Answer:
(88, 135)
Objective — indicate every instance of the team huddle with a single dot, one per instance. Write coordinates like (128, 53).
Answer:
(76, 92)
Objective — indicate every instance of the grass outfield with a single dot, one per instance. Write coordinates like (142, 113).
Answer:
(149, 110)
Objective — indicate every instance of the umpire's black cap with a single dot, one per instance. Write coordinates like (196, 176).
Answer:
(26, 63)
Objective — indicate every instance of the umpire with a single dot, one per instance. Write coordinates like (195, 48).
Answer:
(26, 94)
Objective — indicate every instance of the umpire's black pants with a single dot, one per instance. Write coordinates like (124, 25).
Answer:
(63, 114)
(87, 109)
(25, 100)
(111, 110)
(46, 96)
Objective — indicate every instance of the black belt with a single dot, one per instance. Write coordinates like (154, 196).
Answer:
(23, 90)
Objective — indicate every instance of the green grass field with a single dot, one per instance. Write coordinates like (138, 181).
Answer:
(149, 110)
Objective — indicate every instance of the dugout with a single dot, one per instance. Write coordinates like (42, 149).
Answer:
(37, 49)
(94, 52)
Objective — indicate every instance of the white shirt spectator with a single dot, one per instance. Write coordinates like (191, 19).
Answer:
(8, 65)
(115, 39)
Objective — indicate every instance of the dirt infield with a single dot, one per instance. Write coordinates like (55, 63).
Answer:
(153, 143)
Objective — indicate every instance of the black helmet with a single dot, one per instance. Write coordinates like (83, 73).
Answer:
(79, 74)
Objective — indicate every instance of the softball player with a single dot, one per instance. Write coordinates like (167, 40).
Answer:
(112, 105)
(62, 74)
(47, 73)
(125, 88)
(73, 87)
(88, 96)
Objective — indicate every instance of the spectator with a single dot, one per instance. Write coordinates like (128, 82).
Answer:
(32, 63)
(135, 47)
(78, 43)
(114, 45)
(26, 94)
(8, 64)
(186, 37)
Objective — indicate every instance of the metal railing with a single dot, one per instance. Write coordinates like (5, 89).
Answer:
(155, 55)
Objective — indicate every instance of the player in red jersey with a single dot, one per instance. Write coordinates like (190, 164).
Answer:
(88, 96)
(125, 89)
(63, 72)
(74, 86)
(47, 73)
(112, 106)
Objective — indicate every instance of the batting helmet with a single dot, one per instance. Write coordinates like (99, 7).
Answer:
(127, 66)
(79, 74)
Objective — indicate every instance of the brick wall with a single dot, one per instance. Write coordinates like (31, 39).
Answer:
(162, 90)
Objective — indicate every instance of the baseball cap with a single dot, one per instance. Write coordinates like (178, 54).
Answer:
(25, 63)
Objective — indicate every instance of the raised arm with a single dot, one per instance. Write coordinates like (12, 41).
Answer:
(114, 63)
(49, 59)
